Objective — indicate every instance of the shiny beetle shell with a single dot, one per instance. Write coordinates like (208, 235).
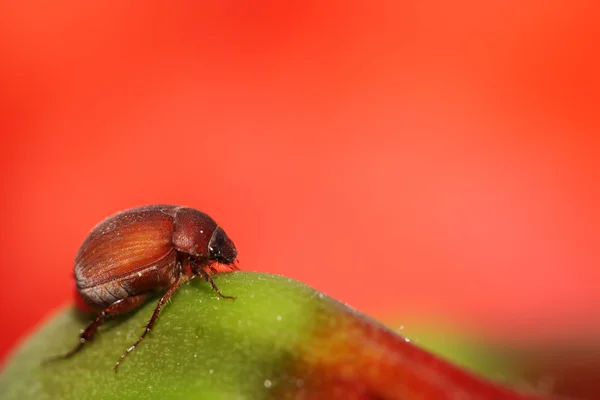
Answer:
(135, 251)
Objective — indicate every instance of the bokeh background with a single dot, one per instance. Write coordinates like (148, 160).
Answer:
(428, 160)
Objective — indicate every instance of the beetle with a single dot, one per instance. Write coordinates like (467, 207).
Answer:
(137, 252)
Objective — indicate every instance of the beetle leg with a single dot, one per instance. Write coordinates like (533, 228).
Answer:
(214, 285)
(118, 307)
(197, 270)
(172, 289)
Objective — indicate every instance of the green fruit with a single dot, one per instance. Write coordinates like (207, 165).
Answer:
(202, 346)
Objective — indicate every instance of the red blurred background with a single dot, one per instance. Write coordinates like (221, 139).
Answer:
(412, 158)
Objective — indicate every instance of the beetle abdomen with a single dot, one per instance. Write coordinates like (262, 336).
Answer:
(159, 275)
(124, 244)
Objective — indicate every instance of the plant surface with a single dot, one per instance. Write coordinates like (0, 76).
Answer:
(279, 339)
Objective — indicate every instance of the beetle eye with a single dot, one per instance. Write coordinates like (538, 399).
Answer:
(221, 248)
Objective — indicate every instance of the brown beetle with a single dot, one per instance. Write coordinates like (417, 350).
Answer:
(136, 252)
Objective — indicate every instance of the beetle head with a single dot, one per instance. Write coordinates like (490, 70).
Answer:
(220, 248)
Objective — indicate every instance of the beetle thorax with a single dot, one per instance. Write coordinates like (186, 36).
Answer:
(192, 231)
